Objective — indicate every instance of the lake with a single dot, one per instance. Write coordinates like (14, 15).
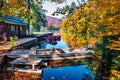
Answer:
(66, 41)
(59, 44)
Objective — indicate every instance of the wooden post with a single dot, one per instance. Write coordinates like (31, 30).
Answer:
(29, 16)
(33, 66)
(1, 3)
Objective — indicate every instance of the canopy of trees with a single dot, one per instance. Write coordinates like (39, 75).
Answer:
(97, 22)
(13, 8)
(66, 10)
(29, 10)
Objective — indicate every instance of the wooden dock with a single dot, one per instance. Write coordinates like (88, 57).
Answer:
(49, 57)
(4, 47)
(7, 47)
(25, 70)
(48, 54)
(41, 37)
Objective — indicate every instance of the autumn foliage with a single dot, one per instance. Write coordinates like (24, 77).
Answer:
(13, 7)
(10, 75)
(97, 22)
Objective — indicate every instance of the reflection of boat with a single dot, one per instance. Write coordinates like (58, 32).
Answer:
(53, 39)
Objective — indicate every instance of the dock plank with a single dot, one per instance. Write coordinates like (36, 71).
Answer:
(25, 70)
(6, 46)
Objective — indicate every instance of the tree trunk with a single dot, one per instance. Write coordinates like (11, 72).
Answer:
(66, 2)
(1, 3)
(79, 3)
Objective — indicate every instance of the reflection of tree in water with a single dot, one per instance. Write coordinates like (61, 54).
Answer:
(77, 62)
(74, 40)
(104, 60)
(69, 39)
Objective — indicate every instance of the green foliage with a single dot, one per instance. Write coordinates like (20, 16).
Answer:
(30, 12)
(1, 52)
(35, 47)
(36, 17)
(13, 8)
(66, 10)
(12, 42)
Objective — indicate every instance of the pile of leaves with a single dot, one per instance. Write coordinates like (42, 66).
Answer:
(10, 75)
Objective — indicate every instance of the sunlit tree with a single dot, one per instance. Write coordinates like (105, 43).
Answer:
(97, 22)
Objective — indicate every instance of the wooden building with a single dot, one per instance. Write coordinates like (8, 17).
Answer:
(12, 26)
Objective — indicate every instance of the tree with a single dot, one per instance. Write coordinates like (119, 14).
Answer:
(30, 11)
(79, 3)
(97, 22)
(13, 8)
(36, 16)
(66, 10)
(1, 3)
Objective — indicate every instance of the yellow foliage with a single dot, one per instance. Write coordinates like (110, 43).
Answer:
(13, 7)
(116, 75)
(112, 78)
(94, 14)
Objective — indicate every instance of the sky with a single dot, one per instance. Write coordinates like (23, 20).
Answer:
(51, 6)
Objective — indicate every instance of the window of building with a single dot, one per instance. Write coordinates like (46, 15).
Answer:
(13, 28)
(21, 28)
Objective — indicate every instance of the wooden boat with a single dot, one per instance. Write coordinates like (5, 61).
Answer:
(53, 39)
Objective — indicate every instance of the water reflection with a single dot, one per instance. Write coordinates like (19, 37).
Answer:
(60, 44)
(57, 37)
(71, 39)
(67, 40)
(75, 39)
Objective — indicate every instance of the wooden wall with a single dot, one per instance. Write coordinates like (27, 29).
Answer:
(3, 30)
(6, 29)
(23, 32)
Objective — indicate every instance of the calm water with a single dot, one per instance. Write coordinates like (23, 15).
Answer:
(60, 44)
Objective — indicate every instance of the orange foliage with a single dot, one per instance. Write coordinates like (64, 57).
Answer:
(13, 7)
(10, 75)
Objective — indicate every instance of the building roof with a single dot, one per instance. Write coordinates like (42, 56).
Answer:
(81, 72)
(13, 20)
